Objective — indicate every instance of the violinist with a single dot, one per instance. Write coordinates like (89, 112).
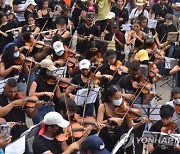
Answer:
(94, 54)
(106, 114)
(4, 26)
(83, 79)
(30, 9)
(108, 76)
(12, 108)
(175, 103)
(166, 122)
(46, 142)
(43, 90)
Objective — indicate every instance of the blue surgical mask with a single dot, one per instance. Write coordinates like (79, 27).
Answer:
(176, 101)
(60, 53)
(16, 54)
(118, 102)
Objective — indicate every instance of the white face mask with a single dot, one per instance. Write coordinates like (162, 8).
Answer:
(118, 102)
(60, 53)
(49, 73)
(16, 54)
(176, 101)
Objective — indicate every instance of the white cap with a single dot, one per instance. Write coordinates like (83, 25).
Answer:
(140, 2)
(55, 118)
(48, 63)
(84, 64)
(58, 46)
(28, 2)
(110, 15)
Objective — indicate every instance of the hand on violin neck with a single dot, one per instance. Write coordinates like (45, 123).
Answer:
(144, 120)
(17, 67)
(109, 77)
(19, 103)
(39, 104)
(50, 94)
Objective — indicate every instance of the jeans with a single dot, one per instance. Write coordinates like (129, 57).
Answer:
(41, 113)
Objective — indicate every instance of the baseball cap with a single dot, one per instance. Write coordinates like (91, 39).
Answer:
(26, 29)
(115, 24)
(94, 142)
(84, 64)
(110, 53)
(110, 15)
(58, 46)
(139, 2)
(169, 16)
(149, 38)
(48, 63)
(143, 55)
(28, 2)
(53, 118)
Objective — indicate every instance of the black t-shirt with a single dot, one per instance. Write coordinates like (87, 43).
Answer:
(105, 69)
(15, 115)
(161, 149)
(6, 8)
(163, 30)
(43, 86)
(5, 40)
(84, 31)
(161, 11)
(41, 145)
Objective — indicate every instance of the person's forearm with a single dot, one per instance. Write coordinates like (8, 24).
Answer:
(6, 72)
(5, 110)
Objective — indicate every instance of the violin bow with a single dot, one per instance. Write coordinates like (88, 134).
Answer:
(68, 115)
(28, 54)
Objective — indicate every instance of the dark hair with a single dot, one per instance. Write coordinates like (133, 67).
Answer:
(40, 3)
(166, 111)
(11, 82)
(8, 56)
(33, 16)
(136, 21)
(70, 103)
(92, 44)
(110, 92)
(42, 72)
(134, 66)
(175, 90)
(56, 37)
(141, 18)
(2, 14)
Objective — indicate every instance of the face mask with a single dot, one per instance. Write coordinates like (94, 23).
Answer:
(49, 73)
(176, 101)
(118, 102)
(60, 53)
(16, 54)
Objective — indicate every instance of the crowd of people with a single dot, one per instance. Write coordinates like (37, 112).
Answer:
(65, 66)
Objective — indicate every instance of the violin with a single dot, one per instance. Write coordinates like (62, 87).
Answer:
(169, 129)
(153, 70)
(28, 61)
(63, 82)
(93, 80)
(34, 43)
(75, 129)
(119, 67)
(145, 86)
(97, 59)
(32, 100)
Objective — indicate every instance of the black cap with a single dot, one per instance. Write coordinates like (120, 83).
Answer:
(149, 38)
(61, 21)
(26, 29)
(110, 53)
(65, 7)
(169, 16)
(115, 24)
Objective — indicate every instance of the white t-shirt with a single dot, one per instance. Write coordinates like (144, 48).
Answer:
(135, 13)
(176, 116)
